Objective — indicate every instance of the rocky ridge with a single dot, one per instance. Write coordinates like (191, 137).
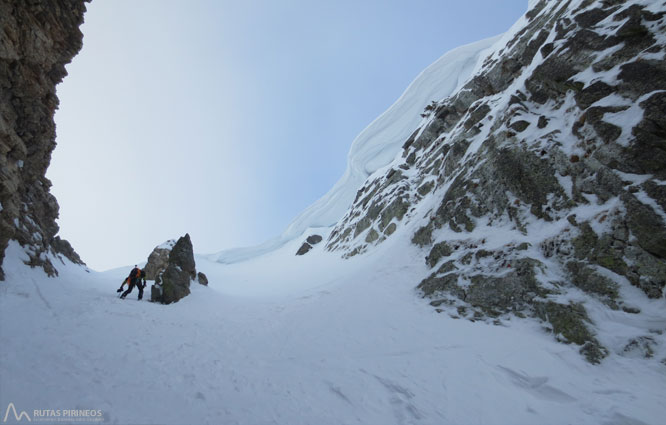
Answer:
(542, 179)
(37, 40)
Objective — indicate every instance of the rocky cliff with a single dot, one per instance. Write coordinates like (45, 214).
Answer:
(37, 40)
(540, 186)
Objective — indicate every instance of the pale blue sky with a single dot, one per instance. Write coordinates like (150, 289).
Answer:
(225, 119)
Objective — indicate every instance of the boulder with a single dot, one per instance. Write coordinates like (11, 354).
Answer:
(307, 245)
(314, 239)
(203, 280)
(304, 249)
(158, 259)
(173, 283)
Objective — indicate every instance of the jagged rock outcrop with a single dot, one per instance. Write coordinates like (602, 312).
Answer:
(37, 40)
(544, 175)
(158, 260)
(173, 283)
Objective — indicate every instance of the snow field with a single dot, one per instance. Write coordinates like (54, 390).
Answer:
(346, 342)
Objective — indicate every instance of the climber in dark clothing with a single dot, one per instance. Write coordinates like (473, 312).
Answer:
(137, 277)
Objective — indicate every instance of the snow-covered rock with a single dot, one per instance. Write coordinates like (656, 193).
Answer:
(173, 283)
(537, 188)
(158, 259)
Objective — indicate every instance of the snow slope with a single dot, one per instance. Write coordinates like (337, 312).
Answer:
(378, 144)
(301, 340)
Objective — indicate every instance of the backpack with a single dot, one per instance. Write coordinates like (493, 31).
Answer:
(135, 272)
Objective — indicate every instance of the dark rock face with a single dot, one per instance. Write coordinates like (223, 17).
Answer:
(173, 285)
(174, 282)
(182, 255)
(308, 244)
(63, 247)
(562, 128)
(314, 239)
(202, 279)
(304, 249)
(568, 321)
(38, 39)
(438, 251)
